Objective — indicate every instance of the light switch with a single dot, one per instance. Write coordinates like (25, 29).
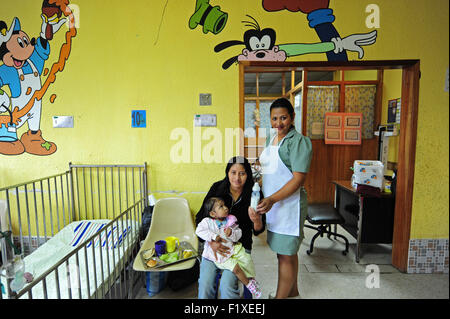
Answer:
(63, 121)
(205, 120)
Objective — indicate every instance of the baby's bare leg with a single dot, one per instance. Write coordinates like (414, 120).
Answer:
(240, 275)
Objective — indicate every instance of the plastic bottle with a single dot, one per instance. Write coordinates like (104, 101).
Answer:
(255, 196)
(19, 269)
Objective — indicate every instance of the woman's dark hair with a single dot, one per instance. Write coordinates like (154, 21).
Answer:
(284, 103)
(225, 185)
(223, 188)
(248, 169)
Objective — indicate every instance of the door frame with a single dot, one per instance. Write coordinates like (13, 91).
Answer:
(408, 134)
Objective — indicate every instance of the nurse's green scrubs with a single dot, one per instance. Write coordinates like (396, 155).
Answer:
(295, 152)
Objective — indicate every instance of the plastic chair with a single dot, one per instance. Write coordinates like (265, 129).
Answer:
(171, 217)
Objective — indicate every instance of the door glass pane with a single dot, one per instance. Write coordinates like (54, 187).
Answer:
(264, 109)
(249, 120)
(269, 84)
(250, 83)
(320, 75)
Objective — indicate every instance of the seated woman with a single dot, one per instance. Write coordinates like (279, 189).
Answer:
(235, 190)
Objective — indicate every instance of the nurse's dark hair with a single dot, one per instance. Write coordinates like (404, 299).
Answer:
(284, 103)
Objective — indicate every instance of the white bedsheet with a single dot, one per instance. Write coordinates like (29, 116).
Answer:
(49, 254)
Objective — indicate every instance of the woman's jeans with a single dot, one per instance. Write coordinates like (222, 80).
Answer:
(228, 287)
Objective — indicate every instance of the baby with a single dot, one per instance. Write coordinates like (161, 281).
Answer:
(220, 226)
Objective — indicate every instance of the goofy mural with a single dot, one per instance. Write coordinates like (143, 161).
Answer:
(260, 44)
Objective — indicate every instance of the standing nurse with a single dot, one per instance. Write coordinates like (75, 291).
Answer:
(285, 162)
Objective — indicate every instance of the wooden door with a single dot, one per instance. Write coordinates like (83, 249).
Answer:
(261, 88)
(329, 162)
(407, 146)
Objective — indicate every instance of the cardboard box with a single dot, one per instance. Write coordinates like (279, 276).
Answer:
(369, 173)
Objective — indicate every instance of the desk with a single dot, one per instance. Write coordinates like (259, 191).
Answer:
(369, 219)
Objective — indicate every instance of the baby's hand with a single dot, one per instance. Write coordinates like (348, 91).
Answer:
(227, 231)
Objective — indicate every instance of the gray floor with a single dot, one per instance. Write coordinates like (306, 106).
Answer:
(328, 274)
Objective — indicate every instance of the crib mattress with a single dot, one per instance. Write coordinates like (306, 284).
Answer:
(101, 260)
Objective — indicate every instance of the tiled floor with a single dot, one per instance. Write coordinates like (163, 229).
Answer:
(328, 274)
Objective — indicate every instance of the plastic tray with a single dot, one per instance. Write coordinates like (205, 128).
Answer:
(184, 245)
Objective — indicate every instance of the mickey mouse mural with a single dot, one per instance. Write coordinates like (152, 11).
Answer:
(23, 65)
(260, 44)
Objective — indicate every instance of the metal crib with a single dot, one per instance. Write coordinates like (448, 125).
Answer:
(38, 210)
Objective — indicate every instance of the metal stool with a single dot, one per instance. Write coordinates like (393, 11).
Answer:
(324, 215)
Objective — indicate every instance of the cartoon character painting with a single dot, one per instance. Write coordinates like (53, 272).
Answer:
(211, 18)
(320, 18)
(23, 64)
(260, 45)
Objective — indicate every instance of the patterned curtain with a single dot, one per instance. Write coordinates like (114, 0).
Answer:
(321, 99)
(361, 99)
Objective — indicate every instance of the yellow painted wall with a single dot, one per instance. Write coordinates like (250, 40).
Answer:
(363, 75)
(119, 62)
(392, 89)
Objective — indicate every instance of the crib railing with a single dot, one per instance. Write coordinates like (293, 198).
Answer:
(84, 269)
(103, 191)
(39, 209)
(36, 210)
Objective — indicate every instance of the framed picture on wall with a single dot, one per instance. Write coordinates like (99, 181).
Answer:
(392, 111)
(343, 128)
